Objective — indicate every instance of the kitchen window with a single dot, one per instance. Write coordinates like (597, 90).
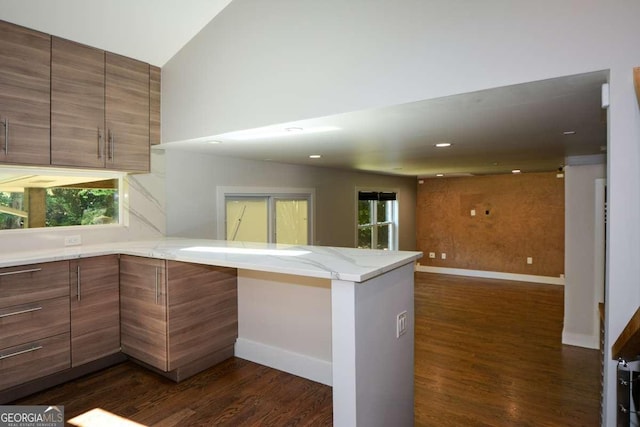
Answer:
(37, 198)
(377, 220)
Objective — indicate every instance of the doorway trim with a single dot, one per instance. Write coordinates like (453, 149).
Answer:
(223, 191)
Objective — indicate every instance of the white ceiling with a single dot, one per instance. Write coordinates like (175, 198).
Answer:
(492, 131)
(149, 30)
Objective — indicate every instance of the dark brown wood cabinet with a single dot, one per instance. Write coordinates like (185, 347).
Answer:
(24, 95)
(177, 317)
(95, 308)
(99, 108)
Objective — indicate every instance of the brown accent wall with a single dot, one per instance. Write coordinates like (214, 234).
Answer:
(517, 216)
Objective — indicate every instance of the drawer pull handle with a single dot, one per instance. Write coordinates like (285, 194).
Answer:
(29, 310)
(18, 353)
(31, 270)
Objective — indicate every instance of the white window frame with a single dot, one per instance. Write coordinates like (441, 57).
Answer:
(272, 193)
(395, 219)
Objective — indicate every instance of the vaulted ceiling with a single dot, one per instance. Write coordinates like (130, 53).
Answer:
(492, 131)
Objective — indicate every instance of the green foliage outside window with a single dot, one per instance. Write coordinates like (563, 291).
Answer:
(66, 206)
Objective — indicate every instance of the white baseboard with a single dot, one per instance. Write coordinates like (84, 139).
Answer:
(492, 274)
(284, 360)
(581, 340)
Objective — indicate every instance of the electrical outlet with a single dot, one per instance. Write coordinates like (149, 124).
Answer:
(73, 240)
(401, 324)
(473, 212)
(432, 254)
(443, 255)
(529, 260)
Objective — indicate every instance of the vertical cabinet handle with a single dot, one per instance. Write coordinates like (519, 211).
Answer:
(111, 145)
(99, 143)
(157, 283)
(5, 123)
(78, 282)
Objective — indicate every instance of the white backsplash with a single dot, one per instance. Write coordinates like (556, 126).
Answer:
(144, 205)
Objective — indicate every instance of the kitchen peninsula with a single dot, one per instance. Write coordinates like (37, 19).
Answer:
(340, 316)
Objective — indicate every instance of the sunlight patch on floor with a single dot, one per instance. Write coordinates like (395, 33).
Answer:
(100, 418)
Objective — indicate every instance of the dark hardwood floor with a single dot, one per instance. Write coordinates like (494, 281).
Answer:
(488, 353)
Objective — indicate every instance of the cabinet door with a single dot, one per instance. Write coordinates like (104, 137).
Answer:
(143, 314)
(127, 113)
(203, 311)
(154, 105)
(95, 308)
(77, 105)
(24, 95)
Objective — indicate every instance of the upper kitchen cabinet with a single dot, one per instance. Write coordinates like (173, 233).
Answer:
(100, 114)
(77, 105)
(24, 95)
(127, 113)
(154, 105)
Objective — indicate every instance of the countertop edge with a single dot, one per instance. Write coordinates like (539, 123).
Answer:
(151, 249)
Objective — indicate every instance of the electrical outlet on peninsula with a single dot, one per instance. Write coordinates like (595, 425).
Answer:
(73, 240)
(401, 324)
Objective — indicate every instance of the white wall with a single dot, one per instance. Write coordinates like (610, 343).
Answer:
(284, 322)
(145, 206)
(259, 63)
(191, 187)
(581, 317)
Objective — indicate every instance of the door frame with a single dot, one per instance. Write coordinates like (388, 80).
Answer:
(222, 192)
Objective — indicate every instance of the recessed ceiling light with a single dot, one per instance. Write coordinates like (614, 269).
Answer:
(569, 132)
(294, 129)
(516, 171)
(439, 175)
(315, 156)
(442, 144)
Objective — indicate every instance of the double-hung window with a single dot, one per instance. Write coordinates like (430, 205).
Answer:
(377, 220)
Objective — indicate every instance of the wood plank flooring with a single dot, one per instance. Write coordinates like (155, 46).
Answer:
(488, 353)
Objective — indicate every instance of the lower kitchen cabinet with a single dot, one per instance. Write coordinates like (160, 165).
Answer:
(34, 322)
(143, 310)
(33, 360)
(95, 318)
(177, 317)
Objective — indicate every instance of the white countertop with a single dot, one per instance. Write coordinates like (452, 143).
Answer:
(349, 264)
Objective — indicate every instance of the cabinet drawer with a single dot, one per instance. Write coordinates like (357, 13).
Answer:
(36, 359)
(29, 283)
(28, 322)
